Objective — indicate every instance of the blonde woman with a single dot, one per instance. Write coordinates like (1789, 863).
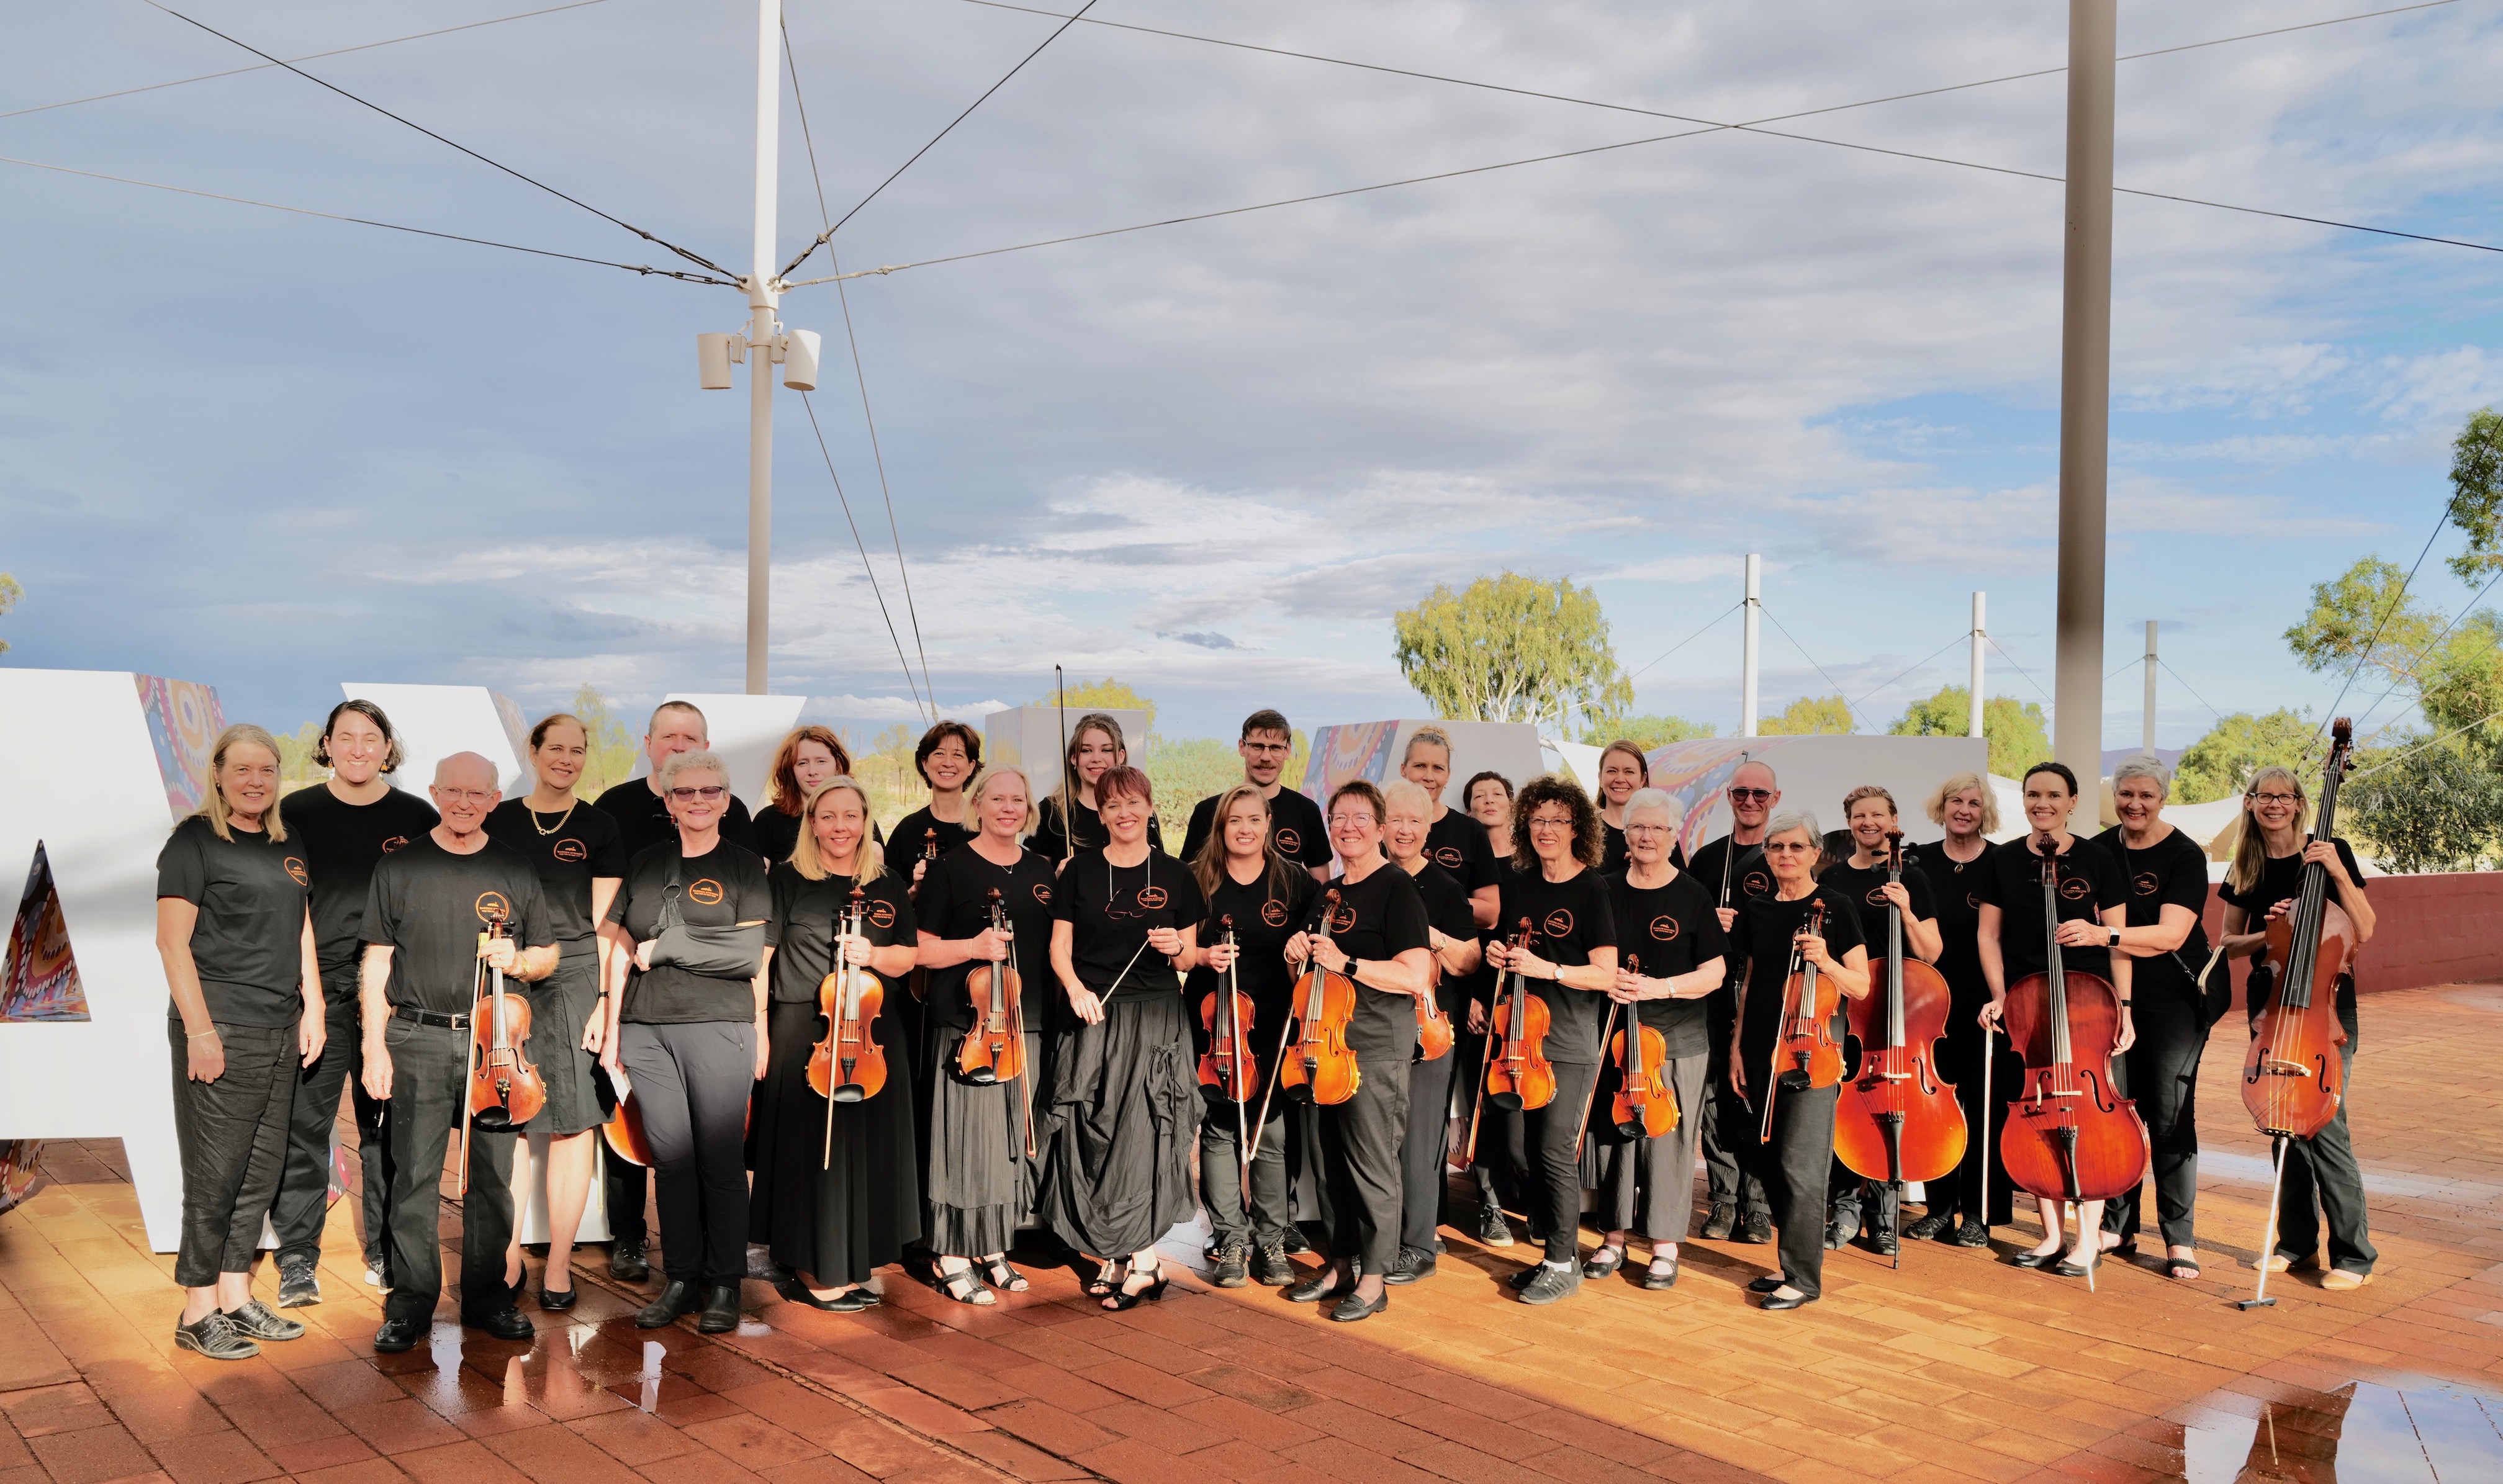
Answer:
(2321, 1175)
(234, 927)
(1956, 867)
(838, 1194)
(1069, 820)
(1452, 941)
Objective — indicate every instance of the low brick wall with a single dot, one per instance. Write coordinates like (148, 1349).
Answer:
(2442, 927)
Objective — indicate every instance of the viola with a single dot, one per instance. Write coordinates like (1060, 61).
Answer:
(1805, 1054)
(1519, 1076)
(994, 1047)
(1322, 1068)
(2069, 1136)
(1644, 1106)
(1227, 1068)
(848, 1065)
(1434, 1032)
(1897, 1121)
(2292, 1076)
(505, 1089)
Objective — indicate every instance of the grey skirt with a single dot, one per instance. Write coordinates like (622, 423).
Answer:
(561, 1006)
(983, 1185)
(1121, 1122)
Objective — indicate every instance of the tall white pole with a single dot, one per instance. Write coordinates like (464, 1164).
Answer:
(1747, 648)
(2148, 729)
(760, 341)
(1980, 637)
(2085, 389)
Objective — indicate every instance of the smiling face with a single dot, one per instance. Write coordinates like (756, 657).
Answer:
(1649, 835)
(1355, 829)
(1870, 818)
(1002, 806)
(559, 757)
(357, 748)
(1791, 853)
(2274, 802)
(698, 798)
(2139, 804)
(1620, 775)
(1093, 752)
(249, 781)
(1246, 829)
(1550, 831)
(1964, 811)
(1489, 803)
(1752, 795)
(1265, 756)
(812, 762)
(464, 792)
(1125, 817)
(838, 821)
(1403, 834)
(948, 767)
(2048, 804)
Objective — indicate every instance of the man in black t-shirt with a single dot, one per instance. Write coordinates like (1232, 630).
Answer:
(428, 914)
(1733, 869)
(1294, 821)
(1454, 841)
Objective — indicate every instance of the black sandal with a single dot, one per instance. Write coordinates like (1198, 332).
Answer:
(997, 1272)
(1123, 1299)
(1109, 1277)
(965, 1288)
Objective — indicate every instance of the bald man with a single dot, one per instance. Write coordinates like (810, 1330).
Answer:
(1733, 869)
(429, 902)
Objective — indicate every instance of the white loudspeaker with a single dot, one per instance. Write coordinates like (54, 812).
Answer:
(799, 360)
(714, 355)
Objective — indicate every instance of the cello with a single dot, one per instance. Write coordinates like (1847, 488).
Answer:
(1897, 1121)
(2293, 1078)
(1644, 1107)
(1322, 1068)
(2069, 1138)
(994, 1046)
(1805, 1039)
(848, 1065)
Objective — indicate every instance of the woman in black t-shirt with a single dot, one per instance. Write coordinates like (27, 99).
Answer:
(1955, 869)
(687, 1025)
(1571, 963)
(1623, 769)
(1502, 1166)
(1673, 958)
(1452, 936)
(1124, 1101)
(1070, 818)
(2092, 904)
(809, 758)
(1795, 1163)
(580, 859)
(1243, 876)
(979, 1164)
(1371, 927)
(2321, 1175)
(1860, 877)
(2168, 950)
(234, 925)
(947, 758)
(837, 1190)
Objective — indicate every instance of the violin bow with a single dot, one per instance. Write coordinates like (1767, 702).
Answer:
(1633, 1029)
(477, 979)
(1232, 987)
(1286, 1022)
(847, 922)
(1068, 829)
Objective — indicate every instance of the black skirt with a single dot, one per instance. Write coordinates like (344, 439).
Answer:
(1122, 1122)
(561, 1006)
(836, 1218)
(982, 1186)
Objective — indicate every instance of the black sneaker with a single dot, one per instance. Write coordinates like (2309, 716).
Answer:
(1972, 1234)
(627, 1261)
(1410, 1265)
(1759, 1227)
(1270, 1267)
(1293, 1240)
(1231, 1263)
(1492, 1229)
(1881, 1241)
(1934, 1227)
(297, 1286)
(255, 1320)
(216, 1337)
(1552, 1285)
(1718, 1226)
(1836, 1234)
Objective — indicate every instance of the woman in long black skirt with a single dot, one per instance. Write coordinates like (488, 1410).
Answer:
(836, 1197)
(982, 1180)
(1125, 1106)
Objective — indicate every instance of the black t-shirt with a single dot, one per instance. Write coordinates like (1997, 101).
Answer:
(340, 843)
(1670, 930)
(429, 905)
(1112, 908)
(1747, 876)
(2089, 882)
(1378, 919)
(570, 850)
(912, 840)
(1568, 919)
(1615, 856)
(722, 888)
(1264, 917)
(1294, 822)
(2280, 880)
(1863, 890)
(1766, 927)
(805, 918)
(643, 820)
(1955, 889)
(248, 942)
(2171, 873)
(1447, 910)
(1049, 841)
(954, 901)
(1458, 844)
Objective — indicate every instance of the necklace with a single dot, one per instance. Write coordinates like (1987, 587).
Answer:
(549, 830)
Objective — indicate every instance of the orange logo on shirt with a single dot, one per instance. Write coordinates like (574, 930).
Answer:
(1448, 857)
(2077, 889)
(1274, 913)
(1042, 892)
(570, 850)
(1876, 896)
(2144, 884)
(495, 907)
(1559, 924)
(1152, 899)
(295, 869)
(1665, 929)
(1289, 843)
(1756, 884)
(394, 843)
(1341, 920)
(881, 914)
(706, 892)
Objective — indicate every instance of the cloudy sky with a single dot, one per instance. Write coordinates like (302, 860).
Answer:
(274, 452)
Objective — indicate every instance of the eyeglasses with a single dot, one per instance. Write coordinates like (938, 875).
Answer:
(2275, 798)
(707, 792)
(1646, 829)
(1549, 822)
(466, 795)
(1751, 795)
(1772, 847)
(1351, 820)
(1266, 747)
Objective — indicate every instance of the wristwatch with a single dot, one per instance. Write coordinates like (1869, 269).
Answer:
(2116, 939)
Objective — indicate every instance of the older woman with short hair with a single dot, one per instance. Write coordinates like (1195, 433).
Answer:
(1957, 867)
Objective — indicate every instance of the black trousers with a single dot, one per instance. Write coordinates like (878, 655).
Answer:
(302, 1206)
(1647, 1186)
(692, 1083)
(1724, 1134)
(232, 1137)
(1359, 1143)
(1426, 1151)
(1552, 1135)
(1793, 1165)
(429, 1088)
(1220, 1174)
(2161, 1072)
(1959, 1060)
(2324, 1180)
(1850, 1196)
(1500, 1164)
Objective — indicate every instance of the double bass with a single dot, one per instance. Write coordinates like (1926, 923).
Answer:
(848, 1065)
(1897, 1121)
(1320, 1067)
(505, 1089)
(994, 1046)
(1805, 1054)
(1644, 1106)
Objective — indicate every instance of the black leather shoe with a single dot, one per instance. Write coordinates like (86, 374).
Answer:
(721, 1313)
(1972, 1234)
(1758, 1228)
(510, 1324)
(1604, 1262)
(556, 1302)
(1410, 1265)
(1653, 1278)
(1270, 1267)
(2036, 1259)
(1351, 1308)
(628, 1262)
(1319, 1286)
(676, 1299)
(2068, 1270)
(1774, 1304)
(396, 1335)
(1763, 1284)
(1293, 1240)
(1718, 1226)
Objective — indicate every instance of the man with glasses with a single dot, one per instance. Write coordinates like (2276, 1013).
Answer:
(427, 913)
(1295, 824)
(1733, 869)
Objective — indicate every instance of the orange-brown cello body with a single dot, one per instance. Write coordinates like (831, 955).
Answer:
(1320, 1066)
(505, 1089)
(2294, 1076)
(848, 1065)
(1519, 1076)
(2069, 1136)
(1897, 1121)
(1644, 1106)
(994, 1046)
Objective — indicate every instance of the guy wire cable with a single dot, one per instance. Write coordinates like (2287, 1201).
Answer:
(863, 546)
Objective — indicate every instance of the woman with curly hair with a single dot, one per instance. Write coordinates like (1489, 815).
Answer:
(1570, 962)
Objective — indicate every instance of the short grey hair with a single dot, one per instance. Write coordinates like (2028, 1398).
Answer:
(2143, 765)
(1795, 819)
(1413, 794)
(1656, 799)
(701, 760)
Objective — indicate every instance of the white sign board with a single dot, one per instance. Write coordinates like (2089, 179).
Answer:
(1028, 737)
(1372, 751)
(746, 730)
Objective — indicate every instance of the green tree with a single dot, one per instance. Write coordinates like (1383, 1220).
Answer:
(610, 750)
(885, 768)
(1188, 769)
(1514, 649)
(296, 766)
(2424, 806)
(2477, 494)
(1648, 731)
(2018, 733)
(10, 593)
(1106, 694)
(1810, 715)
(2224, 760)
(2367, 617)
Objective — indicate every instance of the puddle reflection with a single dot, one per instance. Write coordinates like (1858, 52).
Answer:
(2423, 1432)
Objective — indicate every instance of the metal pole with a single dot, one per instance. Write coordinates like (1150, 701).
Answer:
(2085, 389)
(1980, 637)
(2147, 730)
(1747, 647)
(760, 343)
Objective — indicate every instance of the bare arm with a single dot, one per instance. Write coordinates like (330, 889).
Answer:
(373, 978)
(176, 918)
(1994, 968)
(2169, 931)
(1598, 976)
(1459, 956)
(1484, 903)
(313, 1031)
(1921, 934)
(616, 960)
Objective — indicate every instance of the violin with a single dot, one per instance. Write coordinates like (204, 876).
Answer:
(919, 982)
(2068, 1137)
(1434, 1032)
(2292, 1076)
(1226, 1015)
(505, 1089)
(1806, 1041)
(1519, 1076)
(1322, 1068)
(848, 1065)
(994, 1049)
(1897, 1121)
(1644, 1107)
